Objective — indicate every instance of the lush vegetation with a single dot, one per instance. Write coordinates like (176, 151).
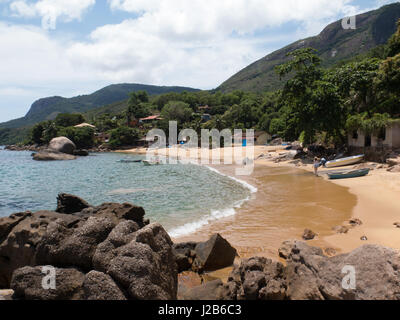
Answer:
(63, 125)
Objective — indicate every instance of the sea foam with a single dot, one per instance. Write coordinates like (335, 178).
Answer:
(215, 215)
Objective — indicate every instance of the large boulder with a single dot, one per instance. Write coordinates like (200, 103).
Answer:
(119, 255)
(146, 266)
(214, 254)
(62, 144)
(100, 286)
(27, 283)
(310, 275)
(20, 235)
(52, 156)
(68, 203)
(256, 279)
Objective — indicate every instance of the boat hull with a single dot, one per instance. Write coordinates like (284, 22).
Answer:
(344, 162)
(349, 174)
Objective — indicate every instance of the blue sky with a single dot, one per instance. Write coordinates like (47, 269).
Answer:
(71, 47)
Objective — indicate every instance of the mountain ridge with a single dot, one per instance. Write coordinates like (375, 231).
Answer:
(334, 44)
(48, 108)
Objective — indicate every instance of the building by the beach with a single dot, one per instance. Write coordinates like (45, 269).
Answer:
(389, 138)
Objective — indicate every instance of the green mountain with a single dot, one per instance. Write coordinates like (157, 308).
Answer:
(334, 44)
(47, 108)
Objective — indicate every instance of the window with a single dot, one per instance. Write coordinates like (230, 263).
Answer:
(368, 141)
(355, 135)
(382, 134)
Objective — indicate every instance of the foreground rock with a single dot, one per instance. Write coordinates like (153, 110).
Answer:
(309, 234)
(104, 252)
(211, 255)
(67, 203)
(310, 275)
(52, 156)
(63, 145)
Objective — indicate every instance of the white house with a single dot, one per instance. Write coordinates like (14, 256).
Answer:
(390, 137)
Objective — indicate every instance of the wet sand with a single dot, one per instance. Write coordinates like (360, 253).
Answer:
(288, 201)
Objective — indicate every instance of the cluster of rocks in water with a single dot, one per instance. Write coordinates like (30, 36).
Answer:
(60, 148)
(111, 252)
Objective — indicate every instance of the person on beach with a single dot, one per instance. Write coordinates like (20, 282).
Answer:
(317, 164)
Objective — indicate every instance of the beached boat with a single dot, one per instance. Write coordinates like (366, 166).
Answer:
(349, 174)
(344, 161)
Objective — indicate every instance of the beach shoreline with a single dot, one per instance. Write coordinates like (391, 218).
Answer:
(375, 206)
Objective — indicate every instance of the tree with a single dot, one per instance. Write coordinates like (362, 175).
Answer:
(137, 106)
(312, 102)
(177, 111)
(123, 136)
(37, 133)
(50, 131)
(82, 137)
(69, 119)
(355, 83)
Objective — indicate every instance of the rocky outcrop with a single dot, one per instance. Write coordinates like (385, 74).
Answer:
(49, 155)
(81, 153)
(27, 283)
(214, 254)
(62, 144)
(104, 252)
(310, 275)
(211, 255)
(68, 203)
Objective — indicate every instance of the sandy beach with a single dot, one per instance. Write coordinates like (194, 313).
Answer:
(290, 199)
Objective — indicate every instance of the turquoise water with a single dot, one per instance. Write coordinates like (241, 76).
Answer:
(180, 197)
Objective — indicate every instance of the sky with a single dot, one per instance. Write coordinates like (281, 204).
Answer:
(72, 47)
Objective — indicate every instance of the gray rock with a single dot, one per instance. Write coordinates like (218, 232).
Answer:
(63, 246)
(118, 212)
(62, 144)
(256, 278)
(99, 286)
(52, 156)
(20, 237)
(27, 284)
(68, 203)
(185, 255)
(145, 267)
(81, 153)
(214, 254)
(311, 275)
(286, 248)
(309, 234)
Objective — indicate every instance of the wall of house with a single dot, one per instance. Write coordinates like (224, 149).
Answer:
(394, 133)
(359, 142)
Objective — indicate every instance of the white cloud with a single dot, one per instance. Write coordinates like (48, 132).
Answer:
(167, 42)
(198, 42)
(51, 10)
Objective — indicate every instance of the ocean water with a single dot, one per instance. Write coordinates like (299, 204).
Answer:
(183, 198)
